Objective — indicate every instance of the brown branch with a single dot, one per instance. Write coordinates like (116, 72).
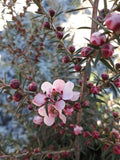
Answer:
(36, 154)
(94, 16)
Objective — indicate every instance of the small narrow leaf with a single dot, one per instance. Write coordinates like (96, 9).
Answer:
(88, 69)
(114, 88)
(67, 35)
(84, 28)
(78, 9)
(105, 62)
(97, 59)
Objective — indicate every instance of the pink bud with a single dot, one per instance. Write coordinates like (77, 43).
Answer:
(86, 134)
(115, 114)
(59, 28)
(117, 82)
(85, 51)
(97, 39)
(38, 120)
(107, 50)
(95, 134)
(78, 130)
(95, 90)
(116, 149)
(77, 106)
(14, 84)
(112, 21)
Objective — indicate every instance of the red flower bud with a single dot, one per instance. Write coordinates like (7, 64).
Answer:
(95, 134)
(65, 59)
(115, 114)
(77, 106)
(104, 76)
(107, 50)
(117, 82)
(59, 35)
(112, 21)
(95, 89)
(85, 51)
(14, 84)
(117, 66)
(116, 149)
(71, 49)
(77, 67)
(30, 107)
(86, 134)
(17, 96)
(46, 25)
(59, 28)
(97, 39)
(32, 87)
(52, 12)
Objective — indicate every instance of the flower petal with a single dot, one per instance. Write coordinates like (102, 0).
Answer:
(68, 91)
(39, 99)
(59, 106)
(75, 97)
(49, 121)
(58, 85)
(46, 87)
(62, 117)
(42, 111)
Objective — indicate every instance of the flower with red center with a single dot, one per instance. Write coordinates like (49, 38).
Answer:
(117, 82)
(56, 95)
(38, 120)
(95, 89)
(116, 149)
(95, 134)
(85, 51)
(78, 130)
(107, 50)
(14, 84)
(97, 39)
(112, 21)
(104, 76)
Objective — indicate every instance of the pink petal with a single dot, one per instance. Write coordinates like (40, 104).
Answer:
(42, 111)
(62, 117)
(39, 99)
(60, 105)
(58, 85)
(67, 91)
(46, 87)
(75, 97)
(49, 121)
(38, 120)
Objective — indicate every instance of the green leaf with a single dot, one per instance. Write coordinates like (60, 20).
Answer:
(84, 28)
(88, 69)
(37, 3)
(111, 61)
(20, 104)
(58, 13)
(97, 58)
(105, 62)
(78, 9)
(114, 88)
(78, 51)
(67, 35)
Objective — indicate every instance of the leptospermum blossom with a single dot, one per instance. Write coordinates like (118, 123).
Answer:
(55, 94)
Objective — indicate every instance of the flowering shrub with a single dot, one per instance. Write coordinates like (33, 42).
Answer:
(66, 106)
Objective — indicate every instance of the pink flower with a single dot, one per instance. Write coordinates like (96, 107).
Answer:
(38, 120)
(116, 149)
(97, 39)
(52, 114)
(78, 130)
(112, 21)
(55, 94)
